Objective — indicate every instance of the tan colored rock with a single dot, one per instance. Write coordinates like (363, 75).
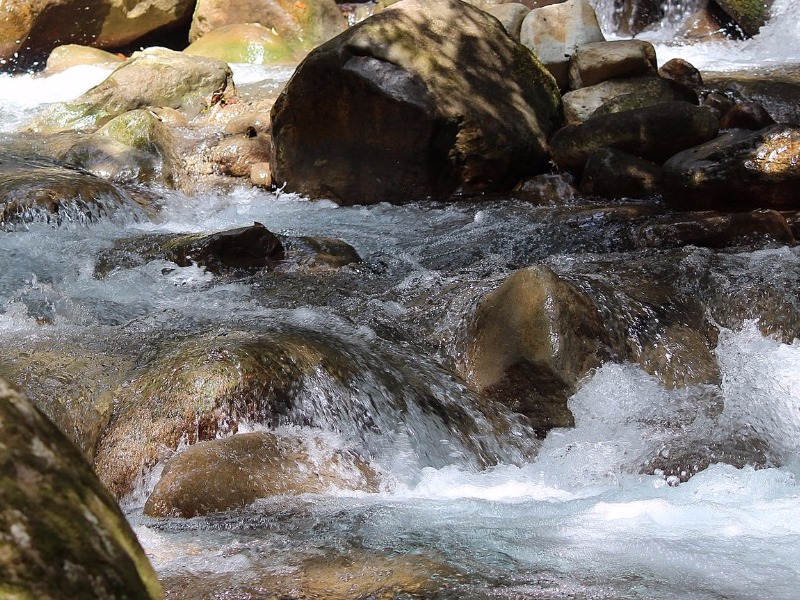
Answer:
(680, 356)
(236, 154)
(600, 61)
(54, 512)
(553, 33)
(71, 55)
(261, 174)
(533, 339)
(32, 28)
(310, 22)
(511, 15)
(220, 475)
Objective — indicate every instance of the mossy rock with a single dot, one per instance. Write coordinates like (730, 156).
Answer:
(750, 15)
(246, 43)
(61, 533)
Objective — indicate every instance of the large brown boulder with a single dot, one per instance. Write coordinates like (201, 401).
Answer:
(30, 29)
(406, 105)
(654, 133)
(220, 475)
(61, 533)
(311, 22)
(740, 170)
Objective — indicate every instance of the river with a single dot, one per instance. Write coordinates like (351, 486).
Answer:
(576, 515)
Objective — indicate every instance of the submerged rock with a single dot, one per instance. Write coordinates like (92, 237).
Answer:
(61, 533)
(155, 77)
(739, 170)
(403, 106)
(220, 475)
(34, 190)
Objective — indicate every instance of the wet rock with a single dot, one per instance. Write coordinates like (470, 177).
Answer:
(600, 61)
(682, 72)
(715, 230)
(152, 77)
(32, 29)
(261, 174)
(554, 33)
(718, 103)
(235, 155)
(654, 133)
(401, 106)
(739, 170)
(310, 23)
(241, 249)
(61, 533)
(617, 95)
(750, 15)
(134, 147)
(746, 115)
(613, 174)
(511, 15)
(779, 96)
(315, 254)
(71, 55)
(634, 16)
(34, 190)
(200, 389)
(533, 338)
(220, 475)
(246, 43)
(680, 356)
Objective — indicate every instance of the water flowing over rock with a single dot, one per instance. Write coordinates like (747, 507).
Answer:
(155, 77)
(739, 170)
(61, 533)
(750, 15)
(35, 190)
(310, 22)
(33, 28)
(70, 55)
(654, 133)
(221, 475)
(404, 106)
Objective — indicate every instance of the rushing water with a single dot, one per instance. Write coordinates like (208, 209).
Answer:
(581, 514)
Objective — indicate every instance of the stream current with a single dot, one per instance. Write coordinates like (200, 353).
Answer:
(576, 515)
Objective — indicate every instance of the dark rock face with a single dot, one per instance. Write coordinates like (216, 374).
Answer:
(740, 170)
(61, 533)
(654, 133)
(614, 174)
(401, 106)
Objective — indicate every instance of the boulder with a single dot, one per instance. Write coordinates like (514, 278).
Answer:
(30, 30)
(134, 147)
(654, 133)
(404, 106)
(746, 115)
(533, 338)
(246, 43)
(36, 190)
(154, 77)
(613, 174)
(235, 155)
(555, 32)
(617, 95)
(600, 61)
(71, 55)
(310, 22)
(221, 475)
(740, 170)
(61, 533)
(511, 15)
